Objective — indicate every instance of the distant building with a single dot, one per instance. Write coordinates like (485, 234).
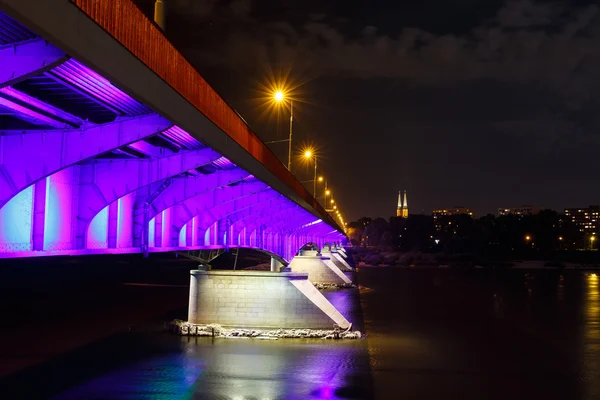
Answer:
(523, 210)
(402, 210)
(586, 219)
(444, 212)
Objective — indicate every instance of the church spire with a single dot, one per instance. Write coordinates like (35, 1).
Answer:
(405, 206)
(402, 210)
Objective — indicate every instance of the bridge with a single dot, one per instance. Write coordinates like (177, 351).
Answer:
(111, 142)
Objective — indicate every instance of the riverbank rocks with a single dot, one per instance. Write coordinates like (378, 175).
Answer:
(185, 328)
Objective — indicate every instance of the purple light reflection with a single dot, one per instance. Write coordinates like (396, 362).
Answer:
(32, 101)
(224, 163)
(90, 82)
(30, 115)
(182, 137)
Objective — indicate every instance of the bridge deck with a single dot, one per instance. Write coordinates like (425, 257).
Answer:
(110, 141)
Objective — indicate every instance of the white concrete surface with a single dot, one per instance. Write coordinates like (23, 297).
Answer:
(259, 299)
(320, 269)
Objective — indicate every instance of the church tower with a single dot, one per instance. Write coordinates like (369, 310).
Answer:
(399, 209)
(402, 209)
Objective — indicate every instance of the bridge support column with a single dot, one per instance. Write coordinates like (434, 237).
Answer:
(158, 230)
(39, 212)
(113, 215)
(275, 265)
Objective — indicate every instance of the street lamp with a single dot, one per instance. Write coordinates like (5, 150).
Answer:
(308, 154)
(279, 97)
(592, 240)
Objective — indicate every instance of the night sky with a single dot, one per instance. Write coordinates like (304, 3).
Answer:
(483, 104)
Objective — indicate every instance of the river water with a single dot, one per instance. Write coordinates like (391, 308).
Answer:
(431, 334)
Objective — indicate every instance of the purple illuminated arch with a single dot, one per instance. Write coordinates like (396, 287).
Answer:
(103, 182)
(219, 212)
(184, 209)
(29, 156)
(190, 193)
(26, 58)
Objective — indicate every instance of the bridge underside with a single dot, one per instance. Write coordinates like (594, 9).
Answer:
(85, 168)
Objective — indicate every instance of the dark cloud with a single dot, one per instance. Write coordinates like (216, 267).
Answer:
(460, 102)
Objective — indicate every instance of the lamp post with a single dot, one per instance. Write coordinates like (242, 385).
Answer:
(279, 96)
(321, 179)
(310, 155)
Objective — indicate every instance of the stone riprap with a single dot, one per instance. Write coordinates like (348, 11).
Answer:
(215, 330)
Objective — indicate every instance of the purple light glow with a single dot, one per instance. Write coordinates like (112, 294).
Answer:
(125, 221)
(65, 210)
(83, 78)
(30, 115)
(58, 211)
(207, 237)
(182, 137)
(151, 232)
(224, 163)
(97, 235)
(16, 222)
(195, 231)
(182, 236)
(166, 228)
(32, 101)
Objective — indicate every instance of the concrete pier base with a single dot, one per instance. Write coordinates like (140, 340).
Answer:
(320, 270)
(260, 299)
(337, 260)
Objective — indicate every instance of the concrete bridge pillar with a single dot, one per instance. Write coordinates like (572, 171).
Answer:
(285, 300)
(275, 265)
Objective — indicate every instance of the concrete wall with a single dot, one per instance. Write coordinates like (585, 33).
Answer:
(320, 269)
(255, 299)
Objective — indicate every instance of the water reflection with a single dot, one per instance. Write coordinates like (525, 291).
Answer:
(590, 365)
(240, 369)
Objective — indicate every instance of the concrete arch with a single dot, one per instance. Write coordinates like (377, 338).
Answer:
(182, 210)
(240, 219)
(103, 182)
(30, 156)
(220, 212)
(271, 254)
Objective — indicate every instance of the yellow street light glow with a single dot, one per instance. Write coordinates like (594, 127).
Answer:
(320, 179)
(328, 192)
(527, 237)
(307, 154)
(593, 238)
(332, 201)
(334, 207)
(560, 238)
(279, 96)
